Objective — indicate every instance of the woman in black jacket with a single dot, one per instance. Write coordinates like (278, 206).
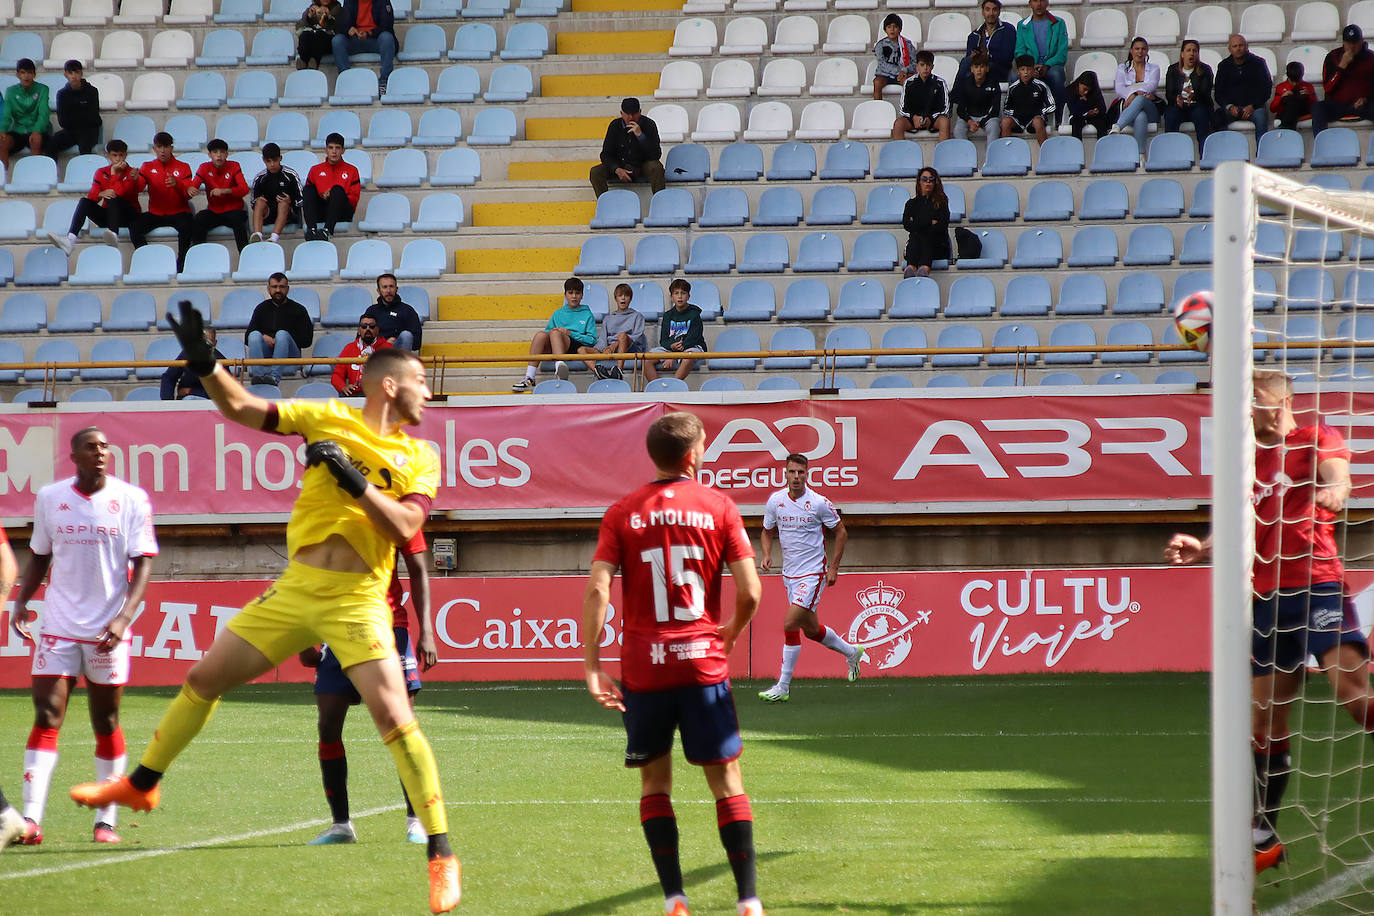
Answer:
(926, 218)
(1087, 107)
(1188, 92)
(316, 30)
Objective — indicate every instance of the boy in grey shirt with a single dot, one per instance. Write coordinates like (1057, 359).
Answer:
(622, 331)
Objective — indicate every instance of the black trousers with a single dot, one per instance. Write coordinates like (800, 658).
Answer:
(114, 214)
(207, 219)
(181, 222)
(315, 45)
(330, 210)
(84, 139)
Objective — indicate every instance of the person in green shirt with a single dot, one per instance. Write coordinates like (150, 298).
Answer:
(27, 120)
(571, 329)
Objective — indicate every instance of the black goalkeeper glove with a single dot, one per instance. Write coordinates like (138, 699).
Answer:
(332, 456)
(190, 332)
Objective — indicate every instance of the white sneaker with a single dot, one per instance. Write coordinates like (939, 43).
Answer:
(61, 241)
(11, 826)
(336, 833)
(560, 369)
(110, 237)
(255, 237)
(415, 833)
(855, 660)
(750, 907)
(774, 694)
(525, 384)
(1116, 129)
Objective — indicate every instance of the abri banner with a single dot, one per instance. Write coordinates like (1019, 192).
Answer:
(912, 624)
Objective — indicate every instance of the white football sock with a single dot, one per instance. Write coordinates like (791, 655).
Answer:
(672, 901)
(529, 372)
(275, 237)
(38, 767)
(831, 640)
(104, 769)
(790, 654)
(71, 237)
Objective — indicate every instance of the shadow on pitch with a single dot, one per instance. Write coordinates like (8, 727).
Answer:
(652, 892)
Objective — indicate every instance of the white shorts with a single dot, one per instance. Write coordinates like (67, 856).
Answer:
(805, 591)
(57, 656)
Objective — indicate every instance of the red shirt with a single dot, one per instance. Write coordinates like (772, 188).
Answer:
(325, 176)
(1301, 87)
(162, 200)
(671, 541)
(1295, 542)
(231, 177)
(127, 184)
(364, 22)
(348, 375)
(395, 594)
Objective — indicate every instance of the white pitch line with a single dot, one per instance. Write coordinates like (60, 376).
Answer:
(1329, 889)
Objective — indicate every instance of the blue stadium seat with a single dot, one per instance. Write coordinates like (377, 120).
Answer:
(901, 337)
(89, 394)
(19, 45)
(999, 380)
(891, 381)
(54, 351)
(1082, 294)
(110, 350)
(1093, 246)
(1283, 149)
(1224, 146)
(155, 264)
(7, 261)
(1301, 329)
(1038, 249)
(779, 383)
(284, 11)
(609, 386)
(722, 207)
(648, 299)
(438, 127)
(1060, 156)
(1175, 377)
(1116, 153)
(656, 254)
(17, 219)
(779, 207)
(672, 207)
(739, 162)
(1060, 379)
(1316, 245)
(23, 313)
(387, 212)
(328, 346)
(805, 300)
(687, 162)
(486, 8)
(1120, 377)
(317, 260)
(1359, 287)
(32, 175)
(849, 338)
(751, 300)
(844, 161)
(957, 335)
(860, 299)
(308, 88)
(366, 259)
(422, 259)
(10, 353)
(1048, 201)
(240, 132)
(473, 41)
(1128, 333)
(793, 162)
(1354, 327)
(618, 208)
(954, 158)
(1026, 296)
(1330, 181)
(1139, 294)
(289, 130)
(526, 41)
(77, 313)
(403, 168)
(819, 252)
(161, 349)
(995, 202)
(438, 9)
(873, 251)
(711, 253)
(706, 296)
(460, 166)
(971, 297)
(457, 83)
(1007, 156)
(493, 127)
(189, 130)
(1170, 152)
(76, 179)
(915, 297)
(1197, 245)
(1159, 198)
(790, 339)
(1072, 334)
(388, 128)
(1202, 200)
(994, 254)
(204, 89)
(30, 396)
(355, 87)
(735, 340)
(764, 252)
(147, 393)
(1014, 335)
(346, 305)
(238, 11)
(254, 89)
(1334, 148)
(133, 310)
(342, 122)
(884, 205)
(43, 267)
(423, 42)
(137, 131)
(833, 206)
(258, 261)
(1310, 289)
(899, 159)
(1149, 245)
(722, 383)
(1105, 198)
(510, 83)
(601, 255)
(316, 391)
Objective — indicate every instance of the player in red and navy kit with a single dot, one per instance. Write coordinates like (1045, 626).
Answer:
(671, 540)
(1302, 480)
(334, 693)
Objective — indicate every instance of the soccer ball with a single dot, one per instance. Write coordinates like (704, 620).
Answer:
(1193, 320)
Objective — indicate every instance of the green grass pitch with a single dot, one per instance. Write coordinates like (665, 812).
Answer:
(994, 795)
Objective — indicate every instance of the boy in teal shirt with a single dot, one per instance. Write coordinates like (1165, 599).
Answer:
(27, 120)
(571, 329)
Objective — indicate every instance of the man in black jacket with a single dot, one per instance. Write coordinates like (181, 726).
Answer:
(78, 114)
(630, 152)
(366, 27)
(397, 321)
(279, 329)
(1243, 87)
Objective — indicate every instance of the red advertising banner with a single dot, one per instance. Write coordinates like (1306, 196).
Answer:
(913, 624)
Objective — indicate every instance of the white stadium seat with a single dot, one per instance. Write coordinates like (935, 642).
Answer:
(783, 76)
(1262, 23)
(68, 46)
(850, 34)
(680, 79)
(1209, 25)
(769, 121)
(823, 120)
(717, 121)
(1104, 29)
(947, 32)
(172, 48)
(151, 91)
(1317, 21)
(835, 76)
(744, 35)
(120, 49)
(672, 122)
(694, 38)
(873, 120)
(796, 35)
(1158, 25)
(89, 13)
(731, 79)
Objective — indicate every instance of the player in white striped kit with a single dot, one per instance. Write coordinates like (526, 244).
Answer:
(95, 532)
(801, 516)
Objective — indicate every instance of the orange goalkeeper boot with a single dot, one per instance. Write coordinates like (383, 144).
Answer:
(1269, 856)
(117, 790)
(445, 886)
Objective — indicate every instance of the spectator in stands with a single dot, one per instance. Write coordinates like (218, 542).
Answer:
(977, 101)
(926, 219)
(1348, 78)
(1188, 92)
(996, 39)
(331, 192)
(1029, 103)
(78, 114)
(315, 32)
(27, 119)
(180, 382)
(279, 329)
(925, 101)
(679, 331)
(1136, 82)
(630, 152)
(366, 27)
(276, 195)
(622, 331)
(112, 201)
(1045, 37)
(1087, 107)
(896, 56)
(347, 378)
(170, 189)
(570, 329)
(225, 189)
(1293, 98)
(398, 323)
(1242, 88)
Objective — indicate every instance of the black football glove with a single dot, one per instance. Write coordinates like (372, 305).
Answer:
(190, 332)
(333, 457)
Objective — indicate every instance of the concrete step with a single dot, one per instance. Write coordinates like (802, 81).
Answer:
(490, 308)
(518, 263)
(655, 41)
(529, 213)
(598, 85)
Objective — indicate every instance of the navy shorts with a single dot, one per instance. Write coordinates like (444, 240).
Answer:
(1291, 624)
(330, 678)
(704, 714)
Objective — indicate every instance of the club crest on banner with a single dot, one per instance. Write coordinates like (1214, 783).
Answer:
(881, 626)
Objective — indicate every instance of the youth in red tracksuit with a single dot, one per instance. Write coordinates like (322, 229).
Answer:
(331, 193)
(112, 202)
(170, 187)
(225, 188)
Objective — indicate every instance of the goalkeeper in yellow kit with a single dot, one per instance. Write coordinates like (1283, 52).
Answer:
(367, 487)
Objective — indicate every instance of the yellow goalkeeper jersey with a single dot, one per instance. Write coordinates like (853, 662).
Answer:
(397, 465)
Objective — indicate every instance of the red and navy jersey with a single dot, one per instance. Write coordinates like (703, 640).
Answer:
(671, 541)
(343, 174)
(1295, 541)
(164, 200)
(230, 177)
(126, 184)
(395, 593)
